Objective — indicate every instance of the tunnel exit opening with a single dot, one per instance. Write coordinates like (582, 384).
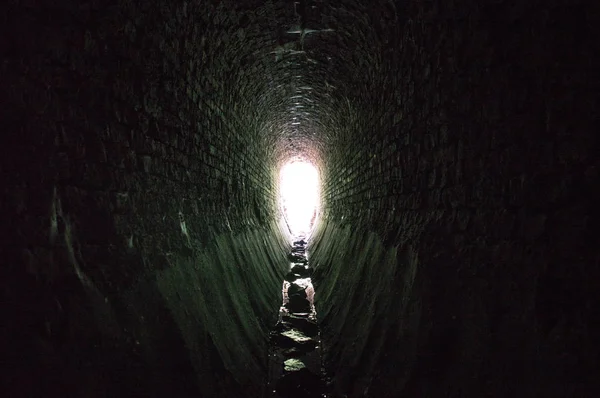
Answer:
(299, 195)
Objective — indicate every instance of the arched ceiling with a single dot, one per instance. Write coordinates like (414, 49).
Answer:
(300, 69)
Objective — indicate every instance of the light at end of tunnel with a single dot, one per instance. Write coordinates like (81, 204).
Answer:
(299, 196)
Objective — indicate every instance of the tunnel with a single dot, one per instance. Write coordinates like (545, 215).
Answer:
(453, 251)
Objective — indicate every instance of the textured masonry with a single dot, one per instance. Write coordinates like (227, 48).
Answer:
(141, 244)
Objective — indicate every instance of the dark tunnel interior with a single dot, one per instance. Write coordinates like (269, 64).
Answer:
(455, 251)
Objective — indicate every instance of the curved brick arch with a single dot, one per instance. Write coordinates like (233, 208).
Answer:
(141, 237)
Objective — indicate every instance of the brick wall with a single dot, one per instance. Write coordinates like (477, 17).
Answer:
(473, 152)
(457, 150)
(133, 154)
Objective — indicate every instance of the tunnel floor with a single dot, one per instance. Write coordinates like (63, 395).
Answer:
(295, 368)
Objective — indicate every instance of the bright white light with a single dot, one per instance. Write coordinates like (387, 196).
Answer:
(299, 190)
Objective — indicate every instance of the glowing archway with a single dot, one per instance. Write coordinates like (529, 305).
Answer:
(299, 196)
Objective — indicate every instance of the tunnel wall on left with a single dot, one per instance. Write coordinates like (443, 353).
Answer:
(141, 256)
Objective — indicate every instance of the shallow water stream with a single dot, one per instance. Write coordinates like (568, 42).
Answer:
(294, 359)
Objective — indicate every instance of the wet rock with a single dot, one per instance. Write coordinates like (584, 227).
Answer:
(297, 258)
(293, 365)
(296, 335)
(294, 339)
(291, 277)
(302, 383)
(307, 326)
(281, 327)
(302, 314)
(298, 266)
(296, 290)
(302, 271)
(290, 322)
(293, 352)
(298, 304)
(301, 294)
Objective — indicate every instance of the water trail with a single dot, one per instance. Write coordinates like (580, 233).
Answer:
(295, 368)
